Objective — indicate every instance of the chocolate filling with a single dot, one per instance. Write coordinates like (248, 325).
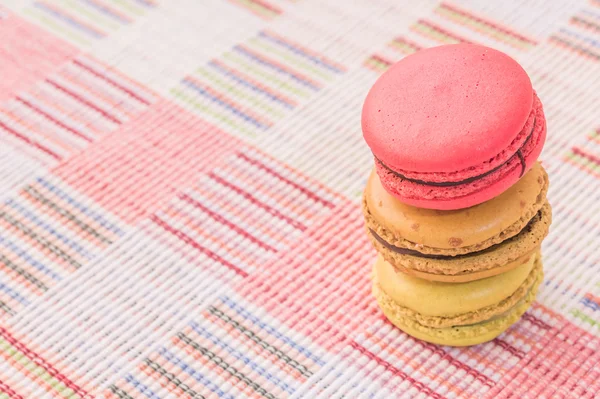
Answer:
(470, 179)
(412, 252)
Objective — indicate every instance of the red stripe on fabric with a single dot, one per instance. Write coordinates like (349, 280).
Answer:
(269, 170)
(407, 42)
(259, 12)
(30, 142)
(188, 240)
(509, 348)
(9, 391)
(488, 22)
(53, 119)
(586, 155)
(226, 222)
(538, 322)
(443, 31)
(381, 59)
(568, 45)
(458, 364)
(267, 6)
(452, 360)
(592, 298)
(595, 28)
(84, 102)
(258, 203)
(417, 384)
(38, 360)
(111, 82)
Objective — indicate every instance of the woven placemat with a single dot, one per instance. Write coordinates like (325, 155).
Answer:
(180, 187)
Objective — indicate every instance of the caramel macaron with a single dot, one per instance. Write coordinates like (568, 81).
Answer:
(460, 245)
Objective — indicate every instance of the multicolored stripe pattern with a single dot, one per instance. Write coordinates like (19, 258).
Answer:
(450, 24)
(585, 160)
(581, 34)
(85, 21)
(230, 351)
(64, 113)
(261, 8)
(24, 366)
(245, 212)
(163, 151)
(331, 312)
(395, 50)
(180, 189)
(595, 136)
(484, 26)
(256, 83)
(48, 233)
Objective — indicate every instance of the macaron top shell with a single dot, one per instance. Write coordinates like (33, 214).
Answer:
(431, 298)
(446, 109)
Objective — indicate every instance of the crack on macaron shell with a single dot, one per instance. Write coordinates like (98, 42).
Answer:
(458, 335)
(394, 239)
(426, 195)
(507, 252)
(487, 313)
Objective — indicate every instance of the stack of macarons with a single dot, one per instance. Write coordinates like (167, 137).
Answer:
(456, 204)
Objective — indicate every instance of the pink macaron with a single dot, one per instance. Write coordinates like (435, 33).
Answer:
(453, 126)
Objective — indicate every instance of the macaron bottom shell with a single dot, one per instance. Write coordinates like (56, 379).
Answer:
(463, 335)
(469, 267)
(460, 245)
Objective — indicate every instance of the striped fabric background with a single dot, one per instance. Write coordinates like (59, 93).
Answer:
(180, 189)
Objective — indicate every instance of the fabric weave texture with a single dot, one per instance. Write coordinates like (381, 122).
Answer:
(180, 200)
